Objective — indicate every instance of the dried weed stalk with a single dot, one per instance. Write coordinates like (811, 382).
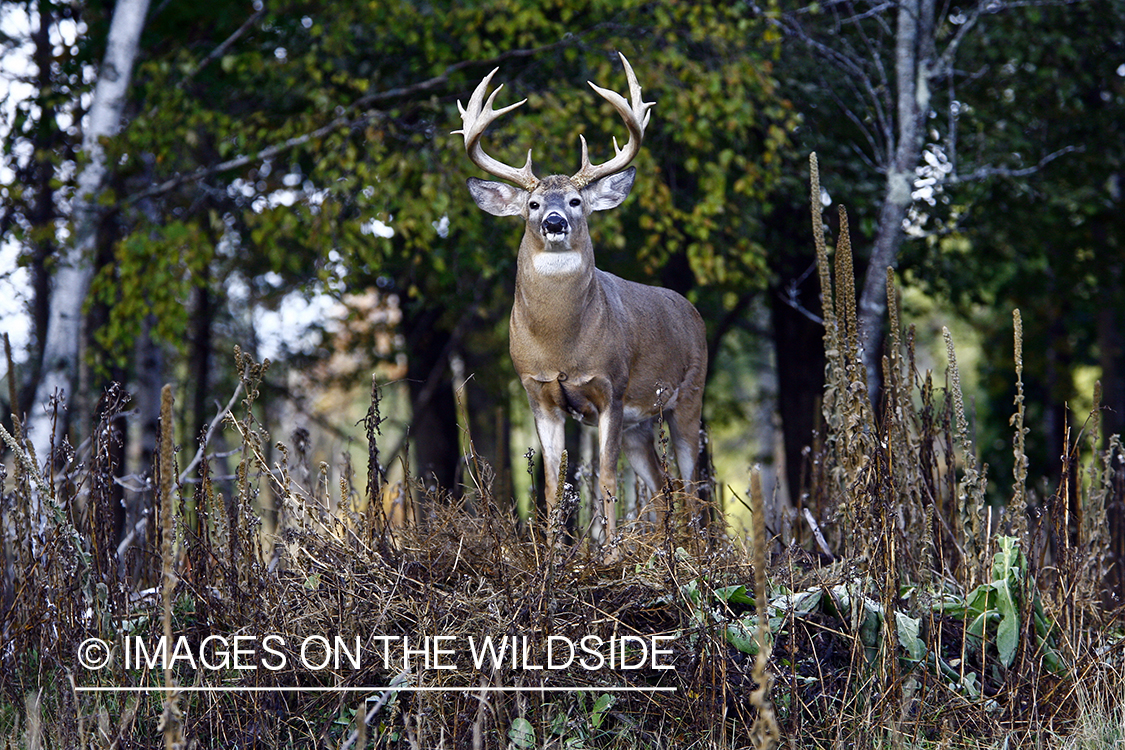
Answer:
(883, 658)
(765, 732)
(171, 720)
(1017, 508)
(917, 534)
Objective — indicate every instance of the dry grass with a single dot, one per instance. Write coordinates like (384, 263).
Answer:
(920, 617)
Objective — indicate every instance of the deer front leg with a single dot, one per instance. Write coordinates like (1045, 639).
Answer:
(550, 424)
(609, 448)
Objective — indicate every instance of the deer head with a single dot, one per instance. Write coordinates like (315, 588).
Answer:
(572, 198)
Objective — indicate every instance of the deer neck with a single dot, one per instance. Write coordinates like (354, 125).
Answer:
(556, 288)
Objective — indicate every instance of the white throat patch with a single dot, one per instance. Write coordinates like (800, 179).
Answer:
(558, 263)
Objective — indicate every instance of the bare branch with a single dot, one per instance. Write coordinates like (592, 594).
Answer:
(259, 156)
(863, 72)
(983, 173)
(792, 298)
(218, 52)
(207, 435)
(348, 119)
(943, 66)
(441, 80)
(226, 44)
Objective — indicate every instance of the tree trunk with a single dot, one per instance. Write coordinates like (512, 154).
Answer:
(201, 345)
(75, 264)
(799, 347)
(490, 421)
(1111, 348)
(150, 378)
(433, 427)
(42, 173)
(914, 44)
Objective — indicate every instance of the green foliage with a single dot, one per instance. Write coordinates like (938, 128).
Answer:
(993, 610)
(997, 603)
(389, 74)
(991, 613)
(134, 287)
(601, 706)
(1039, 223)
(522, 733)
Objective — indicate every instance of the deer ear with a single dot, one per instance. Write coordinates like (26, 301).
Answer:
(610, 191)
(497, 198)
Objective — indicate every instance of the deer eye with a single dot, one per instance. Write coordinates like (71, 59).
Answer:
(533, 205)
(576, 202)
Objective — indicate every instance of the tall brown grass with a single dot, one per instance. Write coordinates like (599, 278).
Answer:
(909, 613)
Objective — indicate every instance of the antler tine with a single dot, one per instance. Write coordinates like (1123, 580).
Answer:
(635, 114)
(475, 119)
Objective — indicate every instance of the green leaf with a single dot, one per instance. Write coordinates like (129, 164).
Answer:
(870, 629)
(1007, 573)
(601, 706)
(740, 634)
(1008, 637)
(522, 733)
(802, 603)
(995, 603)
(691, 589)
(908, 629)
(734, 595)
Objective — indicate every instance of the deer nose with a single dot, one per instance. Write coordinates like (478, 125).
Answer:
(555, 223)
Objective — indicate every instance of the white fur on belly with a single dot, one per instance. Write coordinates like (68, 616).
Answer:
(558, 263)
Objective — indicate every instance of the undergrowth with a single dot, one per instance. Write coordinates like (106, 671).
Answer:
(906, 612)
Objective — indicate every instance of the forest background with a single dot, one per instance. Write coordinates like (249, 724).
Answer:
(283, 177)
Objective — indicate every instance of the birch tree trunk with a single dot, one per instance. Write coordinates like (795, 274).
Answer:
(914, 50)
(62, 344)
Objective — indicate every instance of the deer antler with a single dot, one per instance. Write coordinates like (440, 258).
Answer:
(476, 118)
(636, 116)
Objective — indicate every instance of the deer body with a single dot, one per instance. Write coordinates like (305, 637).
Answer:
(585, 343)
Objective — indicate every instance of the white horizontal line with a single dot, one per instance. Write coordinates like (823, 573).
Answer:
(372, 689)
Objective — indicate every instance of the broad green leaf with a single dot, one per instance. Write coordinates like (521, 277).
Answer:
(601, 706)
(522, 733)
(735, 595)
(740, 634)
(1008, 636)
(802, 603)
(908, 629)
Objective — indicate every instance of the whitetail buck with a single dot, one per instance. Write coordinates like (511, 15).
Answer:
(584, 342)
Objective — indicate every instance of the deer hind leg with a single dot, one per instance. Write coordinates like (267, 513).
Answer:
(685, 442)
(683, 424)
(637, 442)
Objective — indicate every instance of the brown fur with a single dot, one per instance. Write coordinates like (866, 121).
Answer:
(605, 350)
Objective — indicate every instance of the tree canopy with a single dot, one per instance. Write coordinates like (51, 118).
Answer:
(294, 149)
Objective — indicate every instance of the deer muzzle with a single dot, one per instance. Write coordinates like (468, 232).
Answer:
(555, 226)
